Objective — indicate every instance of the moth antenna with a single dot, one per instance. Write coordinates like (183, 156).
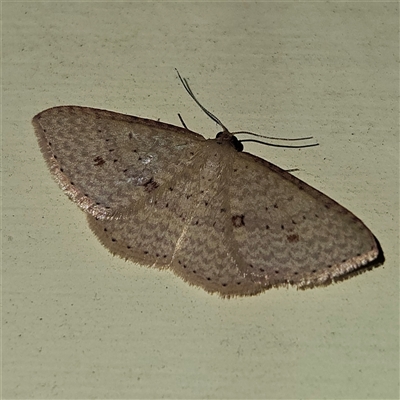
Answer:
(191, 94)
(286, 146)
(218, 121)
(289, 146)
(270, 137)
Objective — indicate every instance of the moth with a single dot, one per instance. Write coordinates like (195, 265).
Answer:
(218, 217)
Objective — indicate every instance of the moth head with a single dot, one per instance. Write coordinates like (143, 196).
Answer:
(227, 137)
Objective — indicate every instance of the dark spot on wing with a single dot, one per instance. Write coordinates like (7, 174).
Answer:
(238, 220)
(293, 238)
(99, 161)
(150, 185)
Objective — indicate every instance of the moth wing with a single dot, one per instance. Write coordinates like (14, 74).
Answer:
(291, 232)
(106, 161)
